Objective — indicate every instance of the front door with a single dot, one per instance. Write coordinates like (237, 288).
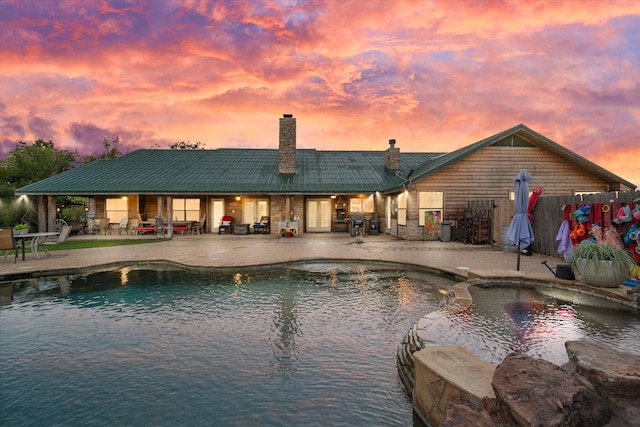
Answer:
(217, 212)
(318, 215)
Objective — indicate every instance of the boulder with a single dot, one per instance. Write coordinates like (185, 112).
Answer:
(611, 372)
(614, 375)
(535, 392)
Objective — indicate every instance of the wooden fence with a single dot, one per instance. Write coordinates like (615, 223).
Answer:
(548, 215)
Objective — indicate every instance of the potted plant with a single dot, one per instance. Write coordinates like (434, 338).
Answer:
(20, 229)
(601, 264)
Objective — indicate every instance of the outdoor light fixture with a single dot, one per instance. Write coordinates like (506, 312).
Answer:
(238, 198)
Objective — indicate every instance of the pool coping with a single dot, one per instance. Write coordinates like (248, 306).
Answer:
(411, 363)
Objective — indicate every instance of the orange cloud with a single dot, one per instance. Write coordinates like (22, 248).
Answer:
(435, 75)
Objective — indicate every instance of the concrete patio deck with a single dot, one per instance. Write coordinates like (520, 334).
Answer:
(213, 250)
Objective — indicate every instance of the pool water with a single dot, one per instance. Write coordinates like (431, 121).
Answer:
(289, 346)
(534, 321)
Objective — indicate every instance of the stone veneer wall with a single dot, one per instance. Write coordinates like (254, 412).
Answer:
(449, 373)
(278, 211)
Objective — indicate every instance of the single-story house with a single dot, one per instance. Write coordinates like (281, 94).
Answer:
(321, 190)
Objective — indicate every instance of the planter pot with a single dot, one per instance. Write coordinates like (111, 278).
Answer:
(600, 273)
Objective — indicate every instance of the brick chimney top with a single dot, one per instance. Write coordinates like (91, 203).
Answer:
(392, 158)
(287, 149)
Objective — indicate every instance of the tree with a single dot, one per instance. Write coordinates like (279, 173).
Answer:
(24, 165)
(27, 164)
(111, 150)
(181, 145)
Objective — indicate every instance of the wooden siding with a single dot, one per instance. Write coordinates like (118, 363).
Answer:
(489, 173)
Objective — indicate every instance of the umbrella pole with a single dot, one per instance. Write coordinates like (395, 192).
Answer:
(518, 263)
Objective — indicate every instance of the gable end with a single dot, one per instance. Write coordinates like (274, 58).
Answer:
(512, 141)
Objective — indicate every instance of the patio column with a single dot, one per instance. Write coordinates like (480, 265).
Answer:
(42, 213)
(51, 213)
(169, 217)
(160, 204)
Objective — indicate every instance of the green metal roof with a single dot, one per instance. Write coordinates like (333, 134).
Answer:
(230, 171)
(255, 171)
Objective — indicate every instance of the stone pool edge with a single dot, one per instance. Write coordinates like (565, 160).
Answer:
(461, 375)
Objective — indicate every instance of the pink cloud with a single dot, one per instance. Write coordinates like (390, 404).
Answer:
(433, 75)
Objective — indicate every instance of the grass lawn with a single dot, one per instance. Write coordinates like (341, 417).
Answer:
(84, 244)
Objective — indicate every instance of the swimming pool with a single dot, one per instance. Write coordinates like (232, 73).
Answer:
(312, 344)
(532, 320)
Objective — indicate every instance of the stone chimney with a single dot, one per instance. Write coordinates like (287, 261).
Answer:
(392, 158)
(287, 149)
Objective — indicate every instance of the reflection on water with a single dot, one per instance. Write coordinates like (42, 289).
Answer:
(311, 345)
(306, 346)
(536, 322)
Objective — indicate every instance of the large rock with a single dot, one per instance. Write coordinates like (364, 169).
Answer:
(538, 393)
(614, 375)
(611, 372)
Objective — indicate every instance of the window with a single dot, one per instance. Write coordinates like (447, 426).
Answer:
(254, 209)
(358, 205)
(402, 208)
(430, 206)
(117, 209)
(186, 209)
(512, 195)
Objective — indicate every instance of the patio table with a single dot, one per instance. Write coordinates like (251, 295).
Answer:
(288, 229)
(35, 240)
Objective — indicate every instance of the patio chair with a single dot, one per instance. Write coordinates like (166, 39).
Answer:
(102, 225)
(7, 243)
(198, 227)
(59, 239)
(121, 226)
(264, 226)
(60, 223)
(92, 226)
(225, 225)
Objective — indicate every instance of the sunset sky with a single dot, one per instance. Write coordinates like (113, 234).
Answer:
(434, 75)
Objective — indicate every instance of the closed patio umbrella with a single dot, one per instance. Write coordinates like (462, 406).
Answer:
(533, 200)
(520, 232)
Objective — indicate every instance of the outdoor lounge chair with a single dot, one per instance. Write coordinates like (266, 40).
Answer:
(225, 225)
(7, 243)
(264, 226)
(64, 233)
